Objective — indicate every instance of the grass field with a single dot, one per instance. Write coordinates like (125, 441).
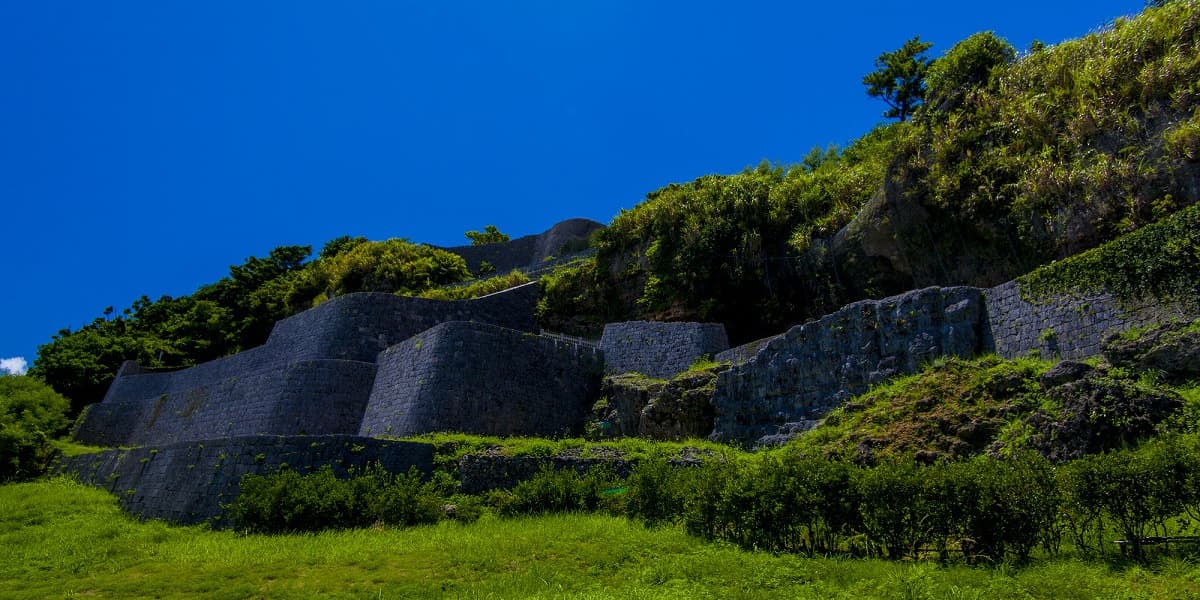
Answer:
(60, 539)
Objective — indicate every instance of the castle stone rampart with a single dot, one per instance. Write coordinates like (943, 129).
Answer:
(1069, 325)
(188, 482)
(312, 376)
(476, 378)
(659, 349)
(798, 376)
(303, 397)
(359, 326)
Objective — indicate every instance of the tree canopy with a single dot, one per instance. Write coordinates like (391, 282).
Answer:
(899, 78)
(489, 235)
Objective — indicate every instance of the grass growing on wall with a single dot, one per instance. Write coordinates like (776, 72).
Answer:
(1159, 261)
(477, 289)
(62, 539)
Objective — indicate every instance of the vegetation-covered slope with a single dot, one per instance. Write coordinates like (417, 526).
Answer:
(1011, 164)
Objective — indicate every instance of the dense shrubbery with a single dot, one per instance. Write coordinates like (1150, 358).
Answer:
(561, 490)
(1160, 261)
(984, 509)
(288, 501)
(1025, 160)
(479, 288)
(31, 413)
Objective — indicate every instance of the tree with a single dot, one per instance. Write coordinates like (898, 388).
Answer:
(899, 78)
(489, 235)
(31, 413)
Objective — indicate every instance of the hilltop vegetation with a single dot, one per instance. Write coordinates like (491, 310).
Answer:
(1070, 167)
(1010, 164)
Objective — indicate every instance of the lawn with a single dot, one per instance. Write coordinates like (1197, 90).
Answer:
(61, 539)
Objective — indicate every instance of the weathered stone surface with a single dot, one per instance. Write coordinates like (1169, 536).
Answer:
(188, 482)
(477, 378)
(678, 409)
(1171, 349)
(659, 349)
(1068, 325)
(1065, 372)
(798, 376)
(1098, 414)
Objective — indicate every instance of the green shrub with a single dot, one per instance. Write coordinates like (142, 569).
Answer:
(31, 413)
(560, 490)
(288, 501)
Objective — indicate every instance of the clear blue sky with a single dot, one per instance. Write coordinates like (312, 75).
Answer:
(145, 146)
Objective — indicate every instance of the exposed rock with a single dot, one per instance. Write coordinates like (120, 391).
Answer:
(1097, 414)
(1065, 372)
(663, 410)
(1172, 349)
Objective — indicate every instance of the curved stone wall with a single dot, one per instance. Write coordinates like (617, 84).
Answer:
(303, 397)
(477, 378)
(798, 376)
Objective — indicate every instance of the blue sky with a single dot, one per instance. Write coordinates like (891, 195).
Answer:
(145, 146)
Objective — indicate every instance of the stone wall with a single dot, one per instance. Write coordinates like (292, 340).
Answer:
(798, 376)
(302, 398)
(530, 250)
(659, 350)
(188, 482)
(1068, 325)
(359, 326)
(477, 378)
(313, 376)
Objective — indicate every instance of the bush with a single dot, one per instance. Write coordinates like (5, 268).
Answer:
(968, 64)
(31, 413)
(1136, 491)
(560, 490)
(287, 501)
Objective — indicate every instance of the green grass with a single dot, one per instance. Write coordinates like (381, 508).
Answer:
(61, 539)
(450, 447)
(927, 410)
(69, 447)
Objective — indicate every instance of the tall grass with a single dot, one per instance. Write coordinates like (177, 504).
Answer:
(61, 539)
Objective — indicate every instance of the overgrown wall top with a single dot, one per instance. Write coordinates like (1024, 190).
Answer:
(659, 349)
(359, 326)
(188, 482)
(478, 378)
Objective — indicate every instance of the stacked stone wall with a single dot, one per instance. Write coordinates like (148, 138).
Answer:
(1069, 325)
(305, 397)
(659, 350)
(798, 376)
(359, 326)
(477, 378)
(188, 482)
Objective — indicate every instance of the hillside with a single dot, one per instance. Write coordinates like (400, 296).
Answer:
(959, 357)
(1015, 160)
(1011, 163)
